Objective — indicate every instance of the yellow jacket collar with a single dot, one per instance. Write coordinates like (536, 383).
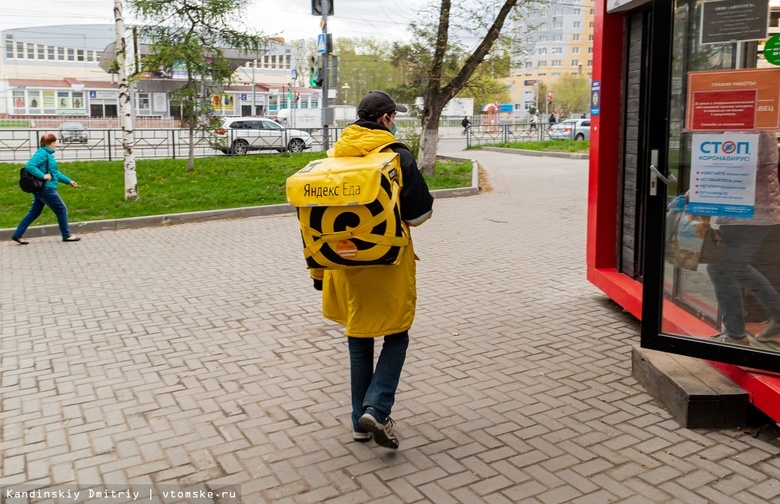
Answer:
(358, 141)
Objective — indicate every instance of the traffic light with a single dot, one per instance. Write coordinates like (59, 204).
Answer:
(549, 96)
(316, 7)
(317, 75)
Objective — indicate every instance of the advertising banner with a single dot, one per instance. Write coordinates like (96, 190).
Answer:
(723, 174)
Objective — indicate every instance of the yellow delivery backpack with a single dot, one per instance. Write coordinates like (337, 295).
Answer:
(348, 210)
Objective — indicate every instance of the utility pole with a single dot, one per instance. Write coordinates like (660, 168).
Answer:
(324, 23)
(254, 87)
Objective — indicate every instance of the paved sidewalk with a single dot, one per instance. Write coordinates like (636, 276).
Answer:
(196, 354)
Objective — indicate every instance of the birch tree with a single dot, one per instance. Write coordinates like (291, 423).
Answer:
(193, 38)
(125, 108)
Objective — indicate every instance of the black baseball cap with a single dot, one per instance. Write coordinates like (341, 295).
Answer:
(376, 104)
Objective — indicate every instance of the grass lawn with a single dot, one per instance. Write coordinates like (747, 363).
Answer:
(165, 186)
(547, 145)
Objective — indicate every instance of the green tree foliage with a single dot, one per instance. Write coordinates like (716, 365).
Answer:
(196, 38)
(571, 94)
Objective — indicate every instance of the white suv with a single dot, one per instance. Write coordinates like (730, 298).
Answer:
(239, 135)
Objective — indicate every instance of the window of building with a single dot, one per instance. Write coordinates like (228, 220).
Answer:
(542, 50)
(273, 61)
(575, 36)
(41, 51)
(558, 25)
(529, 64)
(556, 63)
(9, 46)
(90, 55)
(556, 50)
(541, 63)
(575, 50)
(71, 55)
(577, 11)
(61, 54)
(590, 37)
(542, 74)
(590, 24)
(576, 24)
(20, 50)
(558, 12)
(50, 53)
(34, 99)
(543, 38)
(543, 26)
(266, 61)
(590, 50)
(30, 51)
(575, 63)
(288, 61)
(555, 73)
(591, 12)
(590, 62)
(80, 55)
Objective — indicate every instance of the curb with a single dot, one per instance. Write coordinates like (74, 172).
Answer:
(210, 215)
(566, 155)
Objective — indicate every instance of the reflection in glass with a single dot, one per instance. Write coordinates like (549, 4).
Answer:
(734, 287)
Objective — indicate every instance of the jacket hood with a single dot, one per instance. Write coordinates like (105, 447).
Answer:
(360, 138)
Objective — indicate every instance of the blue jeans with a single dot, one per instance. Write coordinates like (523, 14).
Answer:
(734, 272)
(370, 387)
(48, 197)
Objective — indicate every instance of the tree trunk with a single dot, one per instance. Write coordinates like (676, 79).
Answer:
(125, 107)
(191, 159)
(429, 140)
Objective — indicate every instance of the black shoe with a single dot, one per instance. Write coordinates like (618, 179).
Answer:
(383, 433)
(19, 241)
(71, 239)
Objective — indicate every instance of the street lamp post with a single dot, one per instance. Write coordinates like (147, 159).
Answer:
(345, 87)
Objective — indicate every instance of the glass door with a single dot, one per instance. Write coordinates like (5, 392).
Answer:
(712, 223)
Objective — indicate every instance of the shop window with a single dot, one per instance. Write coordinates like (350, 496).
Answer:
(78, 100)
(19, 102)
(35, 102)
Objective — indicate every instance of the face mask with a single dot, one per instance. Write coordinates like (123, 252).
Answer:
(393, 130)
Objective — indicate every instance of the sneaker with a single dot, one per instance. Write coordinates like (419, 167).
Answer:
(770, 333)
(383, 432)
(361, 436)
(725, 338)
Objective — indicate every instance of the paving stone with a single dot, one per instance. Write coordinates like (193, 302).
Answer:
(197, 354)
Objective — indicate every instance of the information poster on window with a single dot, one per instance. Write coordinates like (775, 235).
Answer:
(723, 174)
(49, 100)
(159, 103)
(733, 100)
(729, 21)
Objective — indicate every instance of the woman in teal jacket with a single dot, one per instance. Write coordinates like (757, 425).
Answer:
(43, 166)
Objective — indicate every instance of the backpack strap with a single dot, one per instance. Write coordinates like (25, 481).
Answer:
(389, 144)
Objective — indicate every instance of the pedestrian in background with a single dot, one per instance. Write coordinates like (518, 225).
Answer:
(42, 165)
(551, 120)
(465, 123)
(377, 301)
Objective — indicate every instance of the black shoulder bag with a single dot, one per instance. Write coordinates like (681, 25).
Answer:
(30, 184)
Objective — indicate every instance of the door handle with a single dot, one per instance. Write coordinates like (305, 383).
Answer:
(656, 174)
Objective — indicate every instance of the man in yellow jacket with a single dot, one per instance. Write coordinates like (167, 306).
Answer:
(377, 301)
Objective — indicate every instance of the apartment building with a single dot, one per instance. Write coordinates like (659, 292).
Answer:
(557, 40)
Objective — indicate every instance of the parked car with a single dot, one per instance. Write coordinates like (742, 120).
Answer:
(239, 135)
(570, 129)
(71, 132)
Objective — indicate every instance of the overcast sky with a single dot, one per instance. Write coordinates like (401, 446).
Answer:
(292, 19)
